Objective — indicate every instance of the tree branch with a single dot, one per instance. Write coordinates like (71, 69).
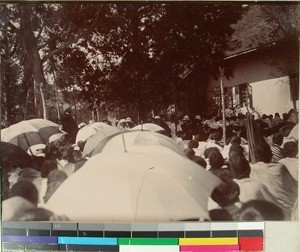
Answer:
(71, 41)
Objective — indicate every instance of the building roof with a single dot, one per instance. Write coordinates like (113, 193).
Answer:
(263, 25)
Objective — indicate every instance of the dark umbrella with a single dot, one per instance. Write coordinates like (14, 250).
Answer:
(17, 156)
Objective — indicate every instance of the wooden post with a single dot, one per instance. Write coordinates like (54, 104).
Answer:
(221, 69)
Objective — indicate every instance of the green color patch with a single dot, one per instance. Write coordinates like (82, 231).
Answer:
(148, 241)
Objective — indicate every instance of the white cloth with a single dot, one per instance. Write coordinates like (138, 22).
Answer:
(279, 181)
(212, 144)
(251, 189)
(292, 164)
(199, 151)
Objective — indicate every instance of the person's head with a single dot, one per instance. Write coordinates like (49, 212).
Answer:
(277, 114)
(198, 137)
(220, 215)
(263, 153)
(67, 108)
(193, 144)
(239, 165)
(47, 167)
(35, 214)
(216, 160)
(277, 138)
(210, 149)
(157, 118)
(226, 193)
(285, 116)
(237, 148)
(286, 130)
(290, 149)
(54, 153)
(81, 145)
(186, 119)
(74, 156)
(224, 172)
(189, 152)
(199, 160)
(57, 176)
(236, 140)
(260, 210)
(55, 179)
(25, 189)
(216, 136)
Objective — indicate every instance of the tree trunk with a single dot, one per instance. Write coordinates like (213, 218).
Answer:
(39, 80)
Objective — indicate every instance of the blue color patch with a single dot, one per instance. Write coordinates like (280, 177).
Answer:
(30, 239)
(88, 240)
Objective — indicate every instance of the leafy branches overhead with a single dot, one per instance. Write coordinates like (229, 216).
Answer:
(120, 53)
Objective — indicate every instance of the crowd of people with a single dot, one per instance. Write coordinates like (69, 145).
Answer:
(262, 189)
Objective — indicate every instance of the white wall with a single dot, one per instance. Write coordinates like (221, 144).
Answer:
(271, 96)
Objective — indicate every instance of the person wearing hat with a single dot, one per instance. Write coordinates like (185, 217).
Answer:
(196, 124)
(291, 162)
(129, 122)
(69, 124)
(159, 121)
(187, 131)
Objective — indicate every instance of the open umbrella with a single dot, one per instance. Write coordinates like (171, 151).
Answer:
(90, 130)
(140, 141)
(31, 132)
(148, 126)
(93, 141)
(127, 187)
(17, 156)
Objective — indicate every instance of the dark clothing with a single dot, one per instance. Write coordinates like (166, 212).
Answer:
(70, 126)
(187, 131)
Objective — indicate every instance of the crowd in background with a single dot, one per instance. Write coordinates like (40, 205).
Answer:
(266, 189)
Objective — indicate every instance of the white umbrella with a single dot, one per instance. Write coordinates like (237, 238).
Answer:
(90, 130)
(93, 141)
(127, 187)
(32, 132)
(148, 126)
(140, 141)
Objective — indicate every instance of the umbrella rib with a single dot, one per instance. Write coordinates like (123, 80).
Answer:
(139, 192)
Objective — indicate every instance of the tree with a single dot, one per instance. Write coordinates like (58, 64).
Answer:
(130, 55)
(42, 31)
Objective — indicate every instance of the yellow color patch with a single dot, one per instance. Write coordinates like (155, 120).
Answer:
(208, 241)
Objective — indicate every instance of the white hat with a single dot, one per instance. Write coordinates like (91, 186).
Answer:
(66, 106)
(81, 125)
(157, 117)
(128, 119)
(35, 150)
(186, 118)
(197, 117)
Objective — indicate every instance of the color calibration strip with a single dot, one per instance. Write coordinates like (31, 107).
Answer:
(166, 237)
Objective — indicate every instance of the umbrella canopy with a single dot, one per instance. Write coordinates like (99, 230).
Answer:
(91, 145)
(32, 132)
(135, 187)
(148, 126)
(140, 141)
(17, 156)
(90, 130)
(295, 132)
